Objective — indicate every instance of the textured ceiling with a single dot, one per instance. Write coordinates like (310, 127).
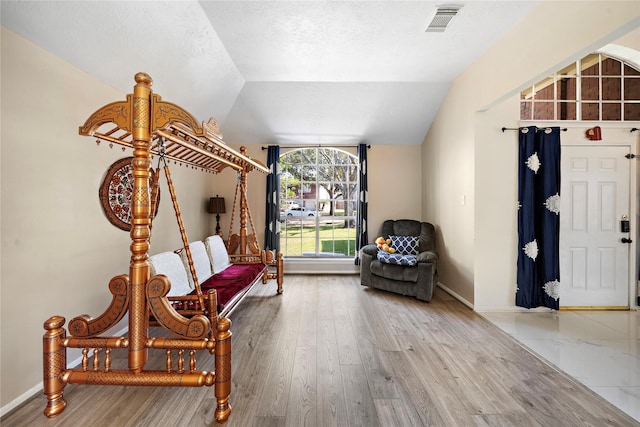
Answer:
(286, 72)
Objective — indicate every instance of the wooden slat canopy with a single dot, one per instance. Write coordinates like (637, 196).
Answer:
(185, 141)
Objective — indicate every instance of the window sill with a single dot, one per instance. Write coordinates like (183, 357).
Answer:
(302, 265)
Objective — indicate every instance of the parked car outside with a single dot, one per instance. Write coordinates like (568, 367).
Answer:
(300, 211)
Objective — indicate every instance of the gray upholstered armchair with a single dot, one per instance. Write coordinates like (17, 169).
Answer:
(414, 280)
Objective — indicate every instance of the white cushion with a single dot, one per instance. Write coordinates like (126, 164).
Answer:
(170, 264)
(217, 253)
(201, 262)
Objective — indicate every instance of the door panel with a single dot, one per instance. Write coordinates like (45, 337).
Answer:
(594, 263)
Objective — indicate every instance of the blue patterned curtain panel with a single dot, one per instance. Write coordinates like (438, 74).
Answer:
(362, 235)
(272, 212)
(538, 277)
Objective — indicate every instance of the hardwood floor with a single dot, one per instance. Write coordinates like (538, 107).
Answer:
(329, 352)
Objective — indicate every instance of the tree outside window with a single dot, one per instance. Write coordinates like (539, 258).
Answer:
(318, 198)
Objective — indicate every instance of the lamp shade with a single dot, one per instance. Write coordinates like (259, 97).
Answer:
(216, 205)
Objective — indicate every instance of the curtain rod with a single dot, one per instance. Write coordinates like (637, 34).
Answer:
(318, 146)
(524, 127)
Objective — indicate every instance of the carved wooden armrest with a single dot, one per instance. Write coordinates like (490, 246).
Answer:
(247, 259)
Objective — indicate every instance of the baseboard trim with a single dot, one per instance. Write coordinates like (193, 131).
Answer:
(38, 388)
(455, 295)
(510, 309)
(337, 265)
(21, 399)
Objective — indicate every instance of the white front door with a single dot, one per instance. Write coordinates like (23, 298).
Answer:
(594, 262)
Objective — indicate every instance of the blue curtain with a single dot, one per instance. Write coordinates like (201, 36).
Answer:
(538, 217)
(362, 236)
(272, 213)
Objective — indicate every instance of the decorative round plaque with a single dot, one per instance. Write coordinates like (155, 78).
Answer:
(115, 193)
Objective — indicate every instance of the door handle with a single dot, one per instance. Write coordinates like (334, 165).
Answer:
(625, 240)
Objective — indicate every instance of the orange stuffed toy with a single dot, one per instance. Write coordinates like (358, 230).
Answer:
(385, 245)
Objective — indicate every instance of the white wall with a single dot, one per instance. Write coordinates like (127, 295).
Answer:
(394, 184)
(496, 211)
(554, 34)
(58, 250)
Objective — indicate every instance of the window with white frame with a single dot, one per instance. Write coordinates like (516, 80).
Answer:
(597, 87)
(318, 202)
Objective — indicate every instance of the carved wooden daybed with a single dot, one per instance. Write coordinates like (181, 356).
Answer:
(154, 127)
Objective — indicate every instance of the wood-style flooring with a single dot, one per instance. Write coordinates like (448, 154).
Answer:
(329, 352)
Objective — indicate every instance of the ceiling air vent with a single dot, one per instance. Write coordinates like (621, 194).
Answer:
(443, 17)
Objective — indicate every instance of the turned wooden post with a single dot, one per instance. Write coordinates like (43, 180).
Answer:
(140, 221)
(222, 386)
(280, 272)
(54, 356)
(243, 205)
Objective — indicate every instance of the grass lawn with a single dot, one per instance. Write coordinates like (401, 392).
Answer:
(298, 237)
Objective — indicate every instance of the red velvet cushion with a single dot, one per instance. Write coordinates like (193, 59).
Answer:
(230, 281)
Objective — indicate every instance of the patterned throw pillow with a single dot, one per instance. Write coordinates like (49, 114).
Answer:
(397, 259)
(405, 245)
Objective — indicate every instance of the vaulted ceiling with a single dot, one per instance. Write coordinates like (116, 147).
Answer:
(286, 72)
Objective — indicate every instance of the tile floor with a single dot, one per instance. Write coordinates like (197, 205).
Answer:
(601, 349)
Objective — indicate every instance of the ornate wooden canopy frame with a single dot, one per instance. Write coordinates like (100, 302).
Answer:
(139, 122)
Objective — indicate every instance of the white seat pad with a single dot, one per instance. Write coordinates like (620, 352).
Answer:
(170, 264)
(201, 262)
(217, 253)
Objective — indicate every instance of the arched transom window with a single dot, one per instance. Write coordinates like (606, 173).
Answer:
(597, 87)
